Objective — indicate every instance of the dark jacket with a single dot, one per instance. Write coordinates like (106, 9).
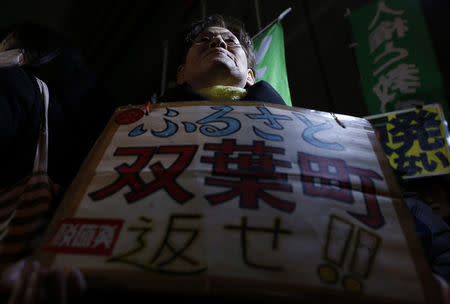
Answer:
(260, 91)
(20, 107)
(433, 233)
(78, 111)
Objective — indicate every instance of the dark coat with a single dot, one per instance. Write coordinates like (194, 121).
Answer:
(20, 107)
(433, 233)
(78, 111)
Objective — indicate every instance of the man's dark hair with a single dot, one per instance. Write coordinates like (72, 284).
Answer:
(233, 25)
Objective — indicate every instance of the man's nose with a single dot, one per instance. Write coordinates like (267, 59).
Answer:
(218, 42)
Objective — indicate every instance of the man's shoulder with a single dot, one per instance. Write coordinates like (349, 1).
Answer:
(15, 81)
(181, 93)
(13, 76)
(19, 94)
(263, 91)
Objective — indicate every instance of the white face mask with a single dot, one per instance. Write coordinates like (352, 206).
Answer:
(12, 57)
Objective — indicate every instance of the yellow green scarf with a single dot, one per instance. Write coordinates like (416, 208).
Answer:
(220, 92)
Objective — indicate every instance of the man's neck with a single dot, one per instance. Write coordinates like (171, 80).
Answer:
(216, 80)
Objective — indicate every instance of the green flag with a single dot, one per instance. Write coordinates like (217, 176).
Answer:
(395, 57)
(270, 61)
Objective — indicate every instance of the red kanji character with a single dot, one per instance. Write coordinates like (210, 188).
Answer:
(250, 167)
(105, 236)
(65, 235)
(325, 177)
(85, 236)
(329, 177)
(373, 218)
(91, 236)
(164, 178)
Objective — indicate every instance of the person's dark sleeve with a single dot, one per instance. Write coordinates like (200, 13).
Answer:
(434, 234)
(20, 110)
(263, 91)
(181, 93)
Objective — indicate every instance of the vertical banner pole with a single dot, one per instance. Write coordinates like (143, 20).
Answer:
(165, 46)
(258, 16)
(203, 9)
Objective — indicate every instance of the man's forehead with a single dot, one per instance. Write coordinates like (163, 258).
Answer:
(216, 30)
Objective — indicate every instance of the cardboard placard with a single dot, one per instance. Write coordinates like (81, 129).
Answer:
(246, 199)
(415, 140)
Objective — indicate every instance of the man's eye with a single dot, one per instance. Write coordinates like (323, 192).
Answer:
(232, 41)
(205, 39)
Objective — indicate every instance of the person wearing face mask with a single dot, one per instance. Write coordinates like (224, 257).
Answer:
(78, 111)
(219, 64)
(78, 107)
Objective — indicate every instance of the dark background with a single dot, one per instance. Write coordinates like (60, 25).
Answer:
(124, 42)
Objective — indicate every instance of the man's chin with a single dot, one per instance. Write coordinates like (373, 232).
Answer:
(220, 60)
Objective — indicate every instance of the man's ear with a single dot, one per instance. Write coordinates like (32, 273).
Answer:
(250, 78)
(180, 74)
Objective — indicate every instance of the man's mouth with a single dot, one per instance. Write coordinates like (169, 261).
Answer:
(216, 51)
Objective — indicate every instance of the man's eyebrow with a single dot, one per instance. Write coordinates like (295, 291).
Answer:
(216, 33)
(205, 33)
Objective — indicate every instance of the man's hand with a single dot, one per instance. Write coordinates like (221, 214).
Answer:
(29, 282)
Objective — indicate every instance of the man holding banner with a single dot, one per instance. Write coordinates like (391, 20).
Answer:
(220, 64)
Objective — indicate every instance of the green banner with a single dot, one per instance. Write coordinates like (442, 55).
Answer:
(395, 57)
(270, 61)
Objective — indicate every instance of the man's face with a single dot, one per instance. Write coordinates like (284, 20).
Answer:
(215, 58)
